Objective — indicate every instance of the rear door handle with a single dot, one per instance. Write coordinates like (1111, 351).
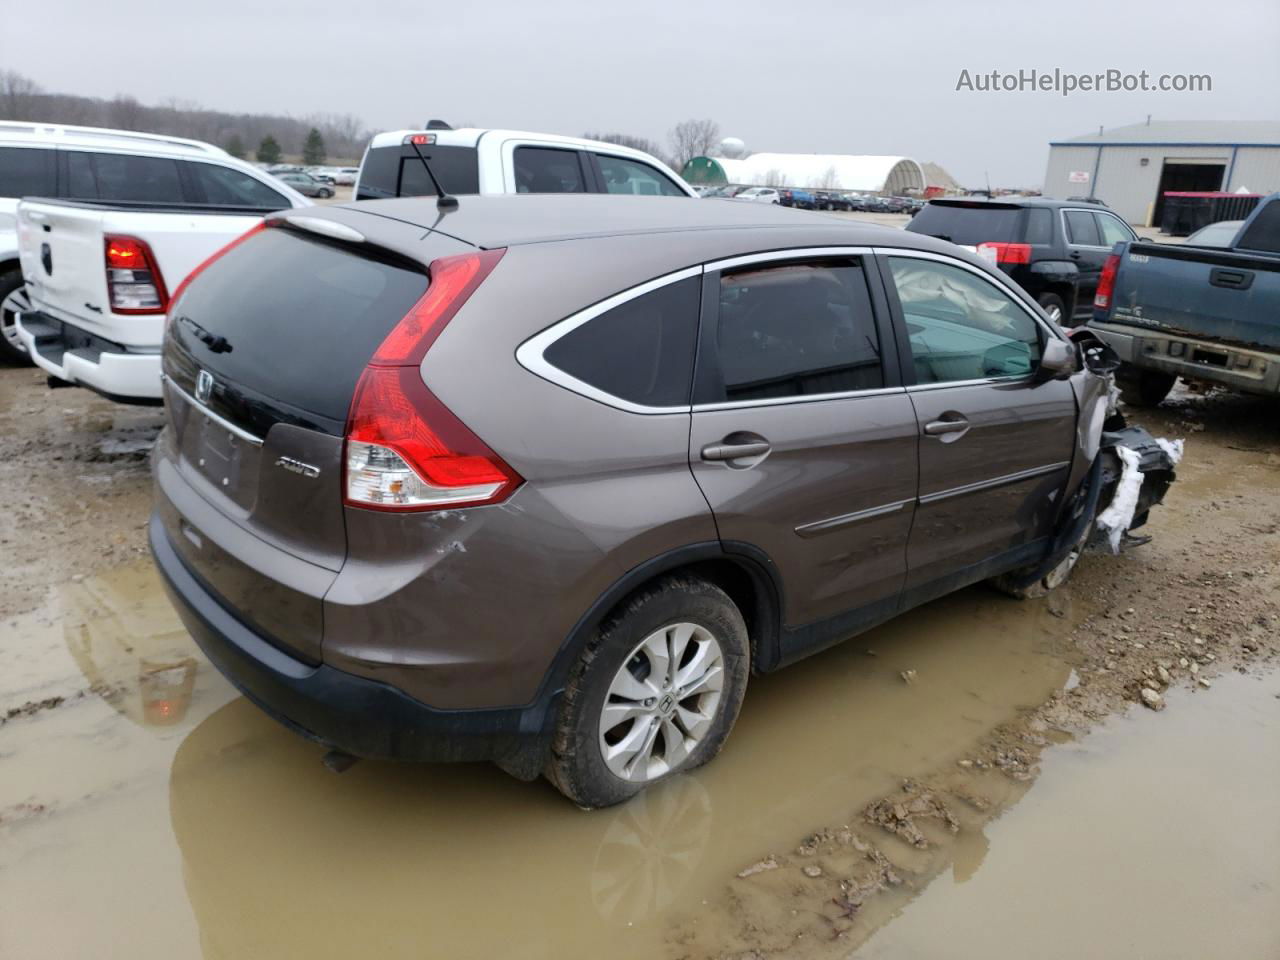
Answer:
(1074, 254)
(937, 428)
(735, 451)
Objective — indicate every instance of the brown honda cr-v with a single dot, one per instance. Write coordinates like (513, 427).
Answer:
(544, 480)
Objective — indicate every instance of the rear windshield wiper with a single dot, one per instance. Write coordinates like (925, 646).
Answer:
(215, 342)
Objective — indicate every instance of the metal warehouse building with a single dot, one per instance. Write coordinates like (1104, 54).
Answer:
(1131, 168)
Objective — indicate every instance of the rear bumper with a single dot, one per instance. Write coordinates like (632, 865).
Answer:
(1250, 371)
(362, 717)
(69, 353)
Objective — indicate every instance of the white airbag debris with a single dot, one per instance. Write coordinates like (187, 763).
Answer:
(1116, 518)
(1172, 449)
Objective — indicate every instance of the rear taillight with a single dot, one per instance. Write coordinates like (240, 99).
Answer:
(134, 281)
(405, 450)
(1107, 283)
(204, 265)
(1011, 253)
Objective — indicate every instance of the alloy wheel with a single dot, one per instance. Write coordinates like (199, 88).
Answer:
(14, 303)
(662, 702)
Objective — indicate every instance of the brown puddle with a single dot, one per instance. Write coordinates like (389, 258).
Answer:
(152, 813)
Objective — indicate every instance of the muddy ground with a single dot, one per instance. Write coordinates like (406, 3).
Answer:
(873, 801)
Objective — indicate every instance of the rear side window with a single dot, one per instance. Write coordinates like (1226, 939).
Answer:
(1082, 228)
(545, 170)
(225, 187)
(1264, 231)
(640, 351)
(300, 316)
(1039, 227)
(631, 176)
(968, 224)
(123, 178)
(26, 172)
(396, 171)
(797, 330)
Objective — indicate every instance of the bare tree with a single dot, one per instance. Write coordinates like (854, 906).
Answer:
(829, 180)
(19, 96)
(635, 143)
(125, 113)
(692, 138)
(773, 177)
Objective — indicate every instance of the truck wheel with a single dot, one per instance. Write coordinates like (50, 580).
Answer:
(13, 298)
(656, 692)
(1052, 304)
(1143, 388)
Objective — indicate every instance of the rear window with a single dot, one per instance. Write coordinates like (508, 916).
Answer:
(26, 172)
(1264, 231)
(397, 172)
(640, 351)
(969, 225)
(225, 187)
(298, 318)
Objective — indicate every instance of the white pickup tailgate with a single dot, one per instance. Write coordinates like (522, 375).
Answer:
(71, 239)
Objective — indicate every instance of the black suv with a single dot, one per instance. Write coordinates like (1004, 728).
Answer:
(1053, 249)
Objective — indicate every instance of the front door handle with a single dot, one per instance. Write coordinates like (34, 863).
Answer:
(1074, 254)
(735, 451)
(937, 428)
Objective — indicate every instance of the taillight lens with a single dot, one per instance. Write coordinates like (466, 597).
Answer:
(134, 281)
(405, 449)
(1107, 283)
(1011, 253)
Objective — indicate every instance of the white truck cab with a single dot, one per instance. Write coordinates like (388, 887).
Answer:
(471, 161)
(111, 224)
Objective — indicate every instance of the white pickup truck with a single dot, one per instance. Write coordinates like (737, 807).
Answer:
(131, 218)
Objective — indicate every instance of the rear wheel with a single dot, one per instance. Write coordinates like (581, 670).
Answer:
(13, 299)
(1052, 304)
(325, 193)
(1143, 388)
(656, 693)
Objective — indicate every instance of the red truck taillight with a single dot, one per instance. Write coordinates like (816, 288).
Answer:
(405, 450)
(1107, 283)
(134, 281)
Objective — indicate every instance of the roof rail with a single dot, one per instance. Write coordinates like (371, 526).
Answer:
(104, 133)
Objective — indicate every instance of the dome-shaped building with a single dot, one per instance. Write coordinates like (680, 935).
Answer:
(811, 171)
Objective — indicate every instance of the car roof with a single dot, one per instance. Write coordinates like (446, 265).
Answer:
(511, 220)
(14, 133)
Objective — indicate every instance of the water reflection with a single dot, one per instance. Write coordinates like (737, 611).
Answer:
(282, 858)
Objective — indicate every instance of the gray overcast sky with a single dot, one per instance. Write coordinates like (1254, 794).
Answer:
(803, 75)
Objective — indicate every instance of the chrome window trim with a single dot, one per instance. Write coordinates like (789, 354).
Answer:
(982, 381)
(798, 398)
(530, 354)
(220, 421)
(1006, 287)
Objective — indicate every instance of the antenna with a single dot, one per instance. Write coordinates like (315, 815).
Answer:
(988, 178)
(444, 201)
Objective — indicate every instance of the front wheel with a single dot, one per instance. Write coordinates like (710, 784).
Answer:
(326, 193)
(13, 300)
(655, 693)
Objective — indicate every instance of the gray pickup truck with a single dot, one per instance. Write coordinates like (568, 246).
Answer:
(1209, 314)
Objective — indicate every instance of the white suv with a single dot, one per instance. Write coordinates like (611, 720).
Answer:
(111, 224)
(508, 161)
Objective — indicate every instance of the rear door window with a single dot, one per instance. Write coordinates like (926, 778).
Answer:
(26, 172)
(969, 224)
(621, 175)
(548, 170)
(641, 351)
(225, 187)
(796, 329)
(1082, 228)
(123, 178)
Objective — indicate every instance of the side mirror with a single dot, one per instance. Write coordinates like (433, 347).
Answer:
(1058, 362)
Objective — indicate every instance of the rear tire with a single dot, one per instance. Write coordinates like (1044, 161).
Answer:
(13, 297)
(325, 193)
(696, 693)
(1052, 304)
(1143, 388)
